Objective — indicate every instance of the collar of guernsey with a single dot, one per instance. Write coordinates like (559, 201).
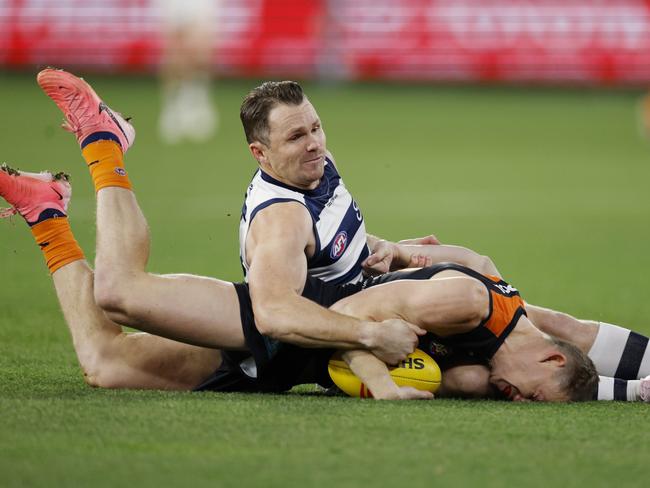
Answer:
(337, 221)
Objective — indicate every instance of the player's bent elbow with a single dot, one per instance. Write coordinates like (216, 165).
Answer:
(476, 300)
(267, 319)
(346, 306)
(484, 265)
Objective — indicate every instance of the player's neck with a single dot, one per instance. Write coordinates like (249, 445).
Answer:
(524, 335)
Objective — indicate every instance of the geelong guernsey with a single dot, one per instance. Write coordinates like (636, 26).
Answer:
(338, 223)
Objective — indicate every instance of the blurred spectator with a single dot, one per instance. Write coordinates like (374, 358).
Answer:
(187, 112)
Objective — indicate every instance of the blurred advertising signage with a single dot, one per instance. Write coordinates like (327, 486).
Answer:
(555, 40)
(250, 36)
(581, 41)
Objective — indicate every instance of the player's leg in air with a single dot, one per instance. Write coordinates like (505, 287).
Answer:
(198, 310)
(109, 357)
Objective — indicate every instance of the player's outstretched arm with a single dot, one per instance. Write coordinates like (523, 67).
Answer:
(418, 256)
(418, 253)
(276, 246)
(391, 256)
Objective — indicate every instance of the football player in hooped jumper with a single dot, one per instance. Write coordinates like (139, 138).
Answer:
(212, 313)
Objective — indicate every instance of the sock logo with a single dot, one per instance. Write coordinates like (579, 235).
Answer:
(104, 108)
(120, 171)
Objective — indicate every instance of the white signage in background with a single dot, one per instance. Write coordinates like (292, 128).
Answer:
(502, 24)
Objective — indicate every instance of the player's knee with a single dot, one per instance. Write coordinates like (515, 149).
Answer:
(97, 371)
(108, 294)
(466, 382)
(98, 379)
(114, 294)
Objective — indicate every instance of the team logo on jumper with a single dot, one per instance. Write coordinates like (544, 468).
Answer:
(339, 244)
(439, 350)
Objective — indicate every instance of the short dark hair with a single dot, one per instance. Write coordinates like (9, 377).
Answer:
(578, 378)
(254, 111)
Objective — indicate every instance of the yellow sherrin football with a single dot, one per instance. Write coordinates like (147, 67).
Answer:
(418, 370)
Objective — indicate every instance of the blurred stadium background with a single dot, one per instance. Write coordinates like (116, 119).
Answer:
(582, 41)
(508, 126)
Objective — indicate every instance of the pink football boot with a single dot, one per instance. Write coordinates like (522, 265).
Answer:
(87, 117)
(35, 196)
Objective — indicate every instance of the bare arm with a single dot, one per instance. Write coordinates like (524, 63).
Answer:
(278, 241)
(446, 305)
(426, 255)
(375, 375)
(390, 256)
(451, 303)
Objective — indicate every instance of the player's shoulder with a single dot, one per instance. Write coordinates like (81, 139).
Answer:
(284, 217)
(264, 187)
(329, 158)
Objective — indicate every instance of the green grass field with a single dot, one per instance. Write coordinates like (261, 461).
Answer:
(553, 184)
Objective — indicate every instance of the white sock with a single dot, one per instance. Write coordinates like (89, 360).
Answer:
(618, 389)
(620, 353)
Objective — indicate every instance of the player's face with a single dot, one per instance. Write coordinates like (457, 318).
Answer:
(295, 154)
(529, 381)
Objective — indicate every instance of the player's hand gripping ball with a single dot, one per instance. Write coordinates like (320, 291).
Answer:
(418, 370)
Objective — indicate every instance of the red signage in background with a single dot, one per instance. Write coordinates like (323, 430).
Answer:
(563, 40)
(269, 37)
(583, 41)
(98, 34)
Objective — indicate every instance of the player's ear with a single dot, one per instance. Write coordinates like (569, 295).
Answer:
(257, 149)
(555, 357)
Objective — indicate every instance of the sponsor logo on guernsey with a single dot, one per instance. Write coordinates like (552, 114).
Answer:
(339, 244)
(331, 201)
(506, 290)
